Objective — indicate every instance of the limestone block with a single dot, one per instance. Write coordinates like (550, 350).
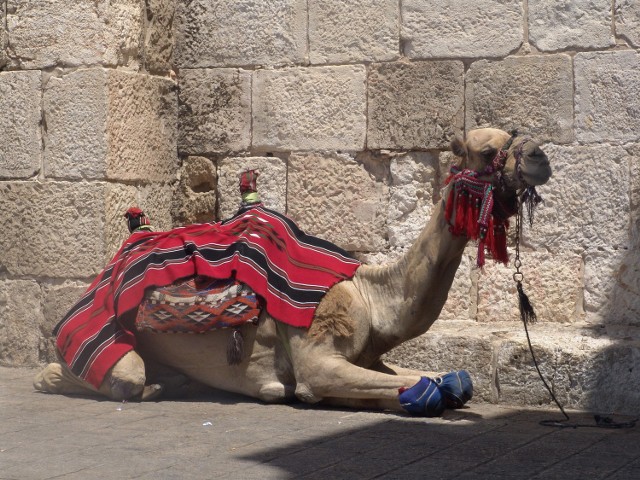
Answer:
(415, 105)
(142, 128)
(20, 135)
(46, 33)
(215, 110)
(634, 162)
(414, 179)
(20, 320)
(627, 21)
(432, 29)
(3, 36)
(245, 32)
(533, 94)
(58, 299)
(271, 183)
(355, 31)
(607, 104)
(335, 197)
(76, 114)
(56, 229)
(624, 307)
(585, 372)
(461, 303)
(194, 200)
(110, 124)
(159, 38)
(449, 346)
(586, 201)
(549, 281)
(601, 270)
(118, 199)
(309, 108)
(557, 25)
(155, 200)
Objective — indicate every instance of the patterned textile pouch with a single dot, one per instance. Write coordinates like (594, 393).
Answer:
(198, 305)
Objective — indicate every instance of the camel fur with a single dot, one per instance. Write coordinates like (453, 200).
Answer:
(337, 360)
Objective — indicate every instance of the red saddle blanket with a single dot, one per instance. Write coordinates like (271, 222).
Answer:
(289, 270)
(197, 305)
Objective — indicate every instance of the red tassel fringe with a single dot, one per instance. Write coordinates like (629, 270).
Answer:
(467, 212)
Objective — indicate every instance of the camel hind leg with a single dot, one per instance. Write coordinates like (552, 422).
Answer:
(125, 380)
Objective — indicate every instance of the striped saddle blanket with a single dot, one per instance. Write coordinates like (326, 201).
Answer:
(197, 305)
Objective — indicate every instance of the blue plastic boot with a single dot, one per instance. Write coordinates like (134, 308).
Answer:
(456, 388)
(423, 399)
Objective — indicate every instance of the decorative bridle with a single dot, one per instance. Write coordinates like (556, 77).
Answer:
(472, 208)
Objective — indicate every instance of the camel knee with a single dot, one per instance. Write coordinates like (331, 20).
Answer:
(126, 378)
(275, 392)
(305, 394)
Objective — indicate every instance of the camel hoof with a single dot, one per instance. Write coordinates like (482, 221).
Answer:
(456, 387)
(151, 392)
(424, 399)
(49, 380)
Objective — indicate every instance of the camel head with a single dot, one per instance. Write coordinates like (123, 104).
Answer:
(497, 172)
(521, 161)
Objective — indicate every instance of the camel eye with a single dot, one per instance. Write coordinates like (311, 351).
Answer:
(488, 153)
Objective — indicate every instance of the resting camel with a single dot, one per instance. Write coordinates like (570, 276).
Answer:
(337, 361)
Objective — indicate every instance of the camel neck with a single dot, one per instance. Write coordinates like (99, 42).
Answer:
(408, 295)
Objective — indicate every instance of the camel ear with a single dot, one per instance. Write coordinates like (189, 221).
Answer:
(458, 147)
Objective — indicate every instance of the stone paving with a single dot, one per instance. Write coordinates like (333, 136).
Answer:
(225, 436)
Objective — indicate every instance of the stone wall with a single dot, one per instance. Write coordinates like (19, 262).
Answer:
(347, 109)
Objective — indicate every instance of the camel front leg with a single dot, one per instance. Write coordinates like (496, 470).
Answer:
(323, 373)
(124, 381)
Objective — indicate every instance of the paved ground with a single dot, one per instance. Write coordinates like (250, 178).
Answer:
(229, 437)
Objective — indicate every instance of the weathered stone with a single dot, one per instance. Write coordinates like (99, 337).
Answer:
(20, 320)
(76, 114)
(110, 124)
(58, 299)
(142, 128)
(20, 135)
(549, 281)
(194, 200)
(533, 94)
(461, 303)
(271, 183)
(634, 163)
(415, 180)
(584, 371)
(415, 105)
(607, 105)
(156, 200)
(432, 29)
(601, 267)
(118, 199)
(357, 31)
(239, 33)
(627, 21)
(56, 228)
(586, 201)
(337, 198)
(309, 108)
(215, 110)
(159, 38)
(4, 59)
(557, 25)
(46, 33)
(611, 287)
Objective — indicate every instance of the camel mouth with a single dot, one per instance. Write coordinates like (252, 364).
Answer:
(535, 168)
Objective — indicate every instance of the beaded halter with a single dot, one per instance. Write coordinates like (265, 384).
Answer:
(473, 210)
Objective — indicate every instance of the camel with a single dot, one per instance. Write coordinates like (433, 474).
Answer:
(337, 361)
